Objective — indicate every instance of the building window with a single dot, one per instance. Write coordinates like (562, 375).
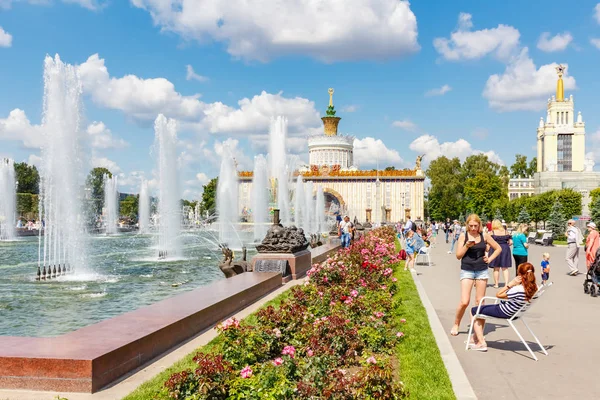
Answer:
(567, 118)
(565, 152)
(369, 195)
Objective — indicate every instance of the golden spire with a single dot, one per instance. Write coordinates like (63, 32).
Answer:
(560, 90)
(330, 91)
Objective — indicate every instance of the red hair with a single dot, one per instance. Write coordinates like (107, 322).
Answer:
(527, 273)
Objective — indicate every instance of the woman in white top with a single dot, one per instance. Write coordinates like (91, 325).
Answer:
(514, 296)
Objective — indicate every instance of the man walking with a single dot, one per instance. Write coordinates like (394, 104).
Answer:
(447, 229)
(573, 235)
(345, 231)
(455, 231)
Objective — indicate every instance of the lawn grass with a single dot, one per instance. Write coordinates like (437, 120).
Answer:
(421, 366)
(563, 242)
(151, 388)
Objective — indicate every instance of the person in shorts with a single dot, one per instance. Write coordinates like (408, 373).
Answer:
(345, 231)
(545, 267)
(471, 251)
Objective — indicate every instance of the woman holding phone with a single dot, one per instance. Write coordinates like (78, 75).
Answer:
(471, 251)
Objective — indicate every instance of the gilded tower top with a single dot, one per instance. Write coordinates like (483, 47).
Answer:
(330, 121)
(560, 90)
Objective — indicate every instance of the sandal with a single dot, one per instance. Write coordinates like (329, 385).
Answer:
(496, 286)
(479, 347)
(454, 332)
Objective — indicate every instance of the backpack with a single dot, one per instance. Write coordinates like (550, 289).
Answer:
(413, 226)
(402, 254)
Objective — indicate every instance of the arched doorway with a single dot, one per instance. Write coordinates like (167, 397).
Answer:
(334, 202)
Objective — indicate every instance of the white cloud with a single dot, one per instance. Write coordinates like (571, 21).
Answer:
(261, 30)
(439, 91)
(349, 108)
(595, 42)
(18, 128)
(370, 151)
(5, 38)
(103, 162)
(93, 5)
(139, 98)
(102, 138)
(522, 86)
(430, 146)
(597, 13)
(144, 99)
(34, 159)
(593, 146)
(558, 42)
(254, 115)
(465, 44)
(405, 124)
(243, 161)
(191, 75)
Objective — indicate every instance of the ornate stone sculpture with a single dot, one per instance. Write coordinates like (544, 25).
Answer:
(315, 240)
(418, 162)
(230, 267)
(357, 225)
(283, 240)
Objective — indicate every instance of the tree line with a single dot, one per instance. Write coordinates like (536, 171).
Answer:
(28, 188)
(480, 186)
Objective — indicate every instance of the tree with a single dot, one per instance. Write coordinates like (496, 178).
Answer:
(95, 183)
(595, 211)
(446, 193)
(129, 207)
(523, 217)
(570, 201)
(390, 168)
(498, 215)
(557, 221)
(483, 184)
(594, 194)
(28, 178)
(532, 167)
(519, 169)
(209, 195)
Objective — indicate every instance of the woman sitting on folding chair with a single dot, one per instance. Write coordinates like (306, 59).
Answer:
(514, 296)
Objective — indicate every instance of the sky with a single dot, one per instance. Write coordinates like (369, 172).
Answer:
(450, 78)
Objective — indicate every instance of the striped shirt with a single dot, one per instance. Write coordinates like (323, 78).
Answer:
(516, 300)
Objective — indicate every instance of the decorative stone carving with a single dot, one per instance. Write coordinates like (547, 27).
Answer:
(283, 240)
(229, 267)
(315, 240)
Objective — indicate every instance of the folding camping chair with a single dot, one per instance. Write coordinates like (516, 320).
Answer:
(519, 315)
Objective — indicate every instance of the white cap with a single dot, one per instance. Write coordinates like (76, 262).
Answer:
(591, 225)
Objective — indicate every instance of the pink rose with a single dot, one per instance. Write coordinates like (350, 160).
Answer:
(277, 361)
(371, 360)
(277, 332)
(354, 293)
(246, 372)
(399, 334)
(289, 350)
(403, 320)
(394, 279)
(309, 353)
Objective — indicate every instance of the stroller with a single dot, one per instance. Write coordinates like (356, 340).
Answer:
(591, 285)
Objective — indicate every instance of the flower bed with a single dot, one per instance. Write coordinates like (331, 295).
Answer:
(333, 337)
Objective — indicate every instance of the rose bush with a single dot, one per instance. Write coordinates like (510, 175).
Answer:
(331, 338)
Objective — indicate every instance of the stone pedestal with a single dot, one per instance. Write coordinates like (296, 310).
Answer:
(368, 216)
(298, 262)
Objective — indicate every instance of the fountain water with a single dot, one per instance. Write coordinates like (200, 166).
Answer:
(111, 204)
(63, 242)
(168, 197)
(260, 197)
(299, 203)
(320, 211)
(144, 208)
(227, 201)
(278, 166)
(7, 199)
(309, 207)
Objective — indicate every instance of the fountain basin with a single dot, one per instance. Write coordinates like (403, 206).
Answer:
(94, 356)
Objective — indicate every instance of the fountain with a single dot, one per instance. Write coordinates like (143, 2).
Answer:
(260, 197)
(62, 247)
(309, 208)
(169, 219)
(144, 208)
(7, 199)
(227, 201)
(299, 203)
(320, 224)
(278, 167)
(111, 204)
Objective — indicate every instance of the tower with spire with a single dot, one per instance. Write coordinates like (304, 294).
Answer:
(561, 137)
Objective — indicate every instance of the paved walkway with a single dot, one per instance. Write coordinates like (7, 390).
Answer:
(566, 320)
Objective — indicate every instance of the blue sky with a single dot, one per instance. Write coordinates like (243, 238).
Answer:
(409, 79)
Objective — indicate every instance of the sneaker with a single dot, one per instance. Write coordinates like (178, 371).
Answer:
(479, 347)
(449, 252)
(414, 271)
(574, 273)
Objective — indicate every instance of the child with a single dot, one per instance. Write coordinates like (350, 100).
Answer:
(545, 267)
(411, 243)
